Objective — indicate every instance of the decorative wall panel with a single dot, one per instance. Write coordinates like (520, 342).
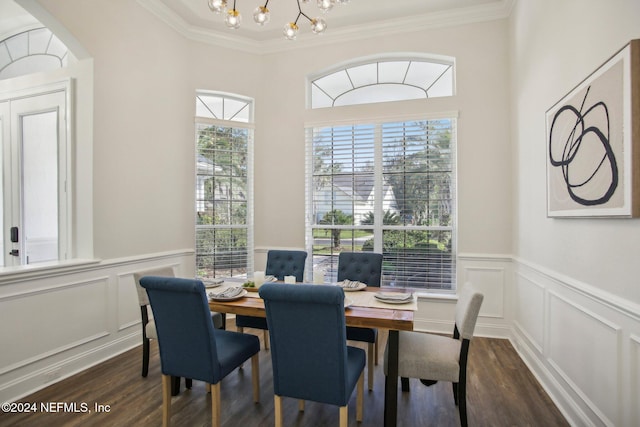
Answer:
(584, 349)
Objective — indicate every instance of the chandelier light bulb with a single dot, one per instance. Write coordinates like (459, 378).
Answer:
(318, 25)
(233, 19)
(290, 31)
(261, 15)
(217, 6)
(326, 5)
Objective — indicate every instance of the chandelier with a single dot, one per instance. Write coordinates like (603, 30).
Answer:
(261, 16)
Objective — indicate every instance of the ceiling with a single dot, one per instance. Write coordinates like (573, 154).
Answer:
(357, 19)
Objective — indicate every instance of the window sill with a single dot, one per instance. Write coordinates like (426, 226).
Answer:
(45, 269)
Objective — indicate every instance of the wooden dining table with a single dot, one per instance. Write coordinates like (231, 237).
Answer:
(393, 318)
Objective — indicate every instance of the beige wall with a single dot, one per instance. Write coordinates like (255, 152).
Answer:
(555, 45)
(484, 170)
(146, 75)
(145, 78)
(575, 292)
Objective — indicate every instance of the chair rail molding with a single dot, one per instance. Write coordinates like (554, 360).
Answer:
(580, 342)
(79, 315)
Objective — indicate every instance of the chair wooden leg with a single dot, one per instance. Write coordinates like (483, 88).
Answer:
(360, 398)
(370, 351)
(265, 335)
(188, 383)
(301, 405)
(455, 393)
(224, 320)
(405, 383)
(462, 403)
(208, 388)
(241, 330)
(166, 400)
(215, 404)
(344, 416)
(277, 407)
(255, 376)
(145, 356)
(175, 386)
(376, 351)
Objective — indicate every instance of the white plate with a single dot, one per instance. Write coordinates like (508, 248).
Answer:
(347, 302)
(240, 295)
(209, 284)
(393, 300)
(360, 287)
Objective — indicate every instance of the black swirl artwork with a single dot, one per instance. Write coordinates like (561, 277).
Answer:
(571, 145)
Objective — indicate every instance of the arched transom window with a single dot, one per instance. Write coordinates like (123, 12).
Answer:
(383, 81)
(31, 51)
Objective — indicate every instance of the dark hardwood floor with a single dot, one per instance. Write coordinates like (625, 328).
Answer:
(501, 392)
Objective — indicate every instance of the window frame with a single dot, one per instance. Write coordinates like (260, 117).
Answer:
(377, 60)
(249, 220)
(397, 110)
(54, 50)
(378, 227)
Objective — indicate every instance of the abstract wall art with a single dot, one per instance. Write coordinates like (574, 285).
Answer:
(593, 143)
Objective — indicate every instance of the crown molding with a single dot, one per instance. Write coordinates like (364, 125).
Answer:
(462, 16)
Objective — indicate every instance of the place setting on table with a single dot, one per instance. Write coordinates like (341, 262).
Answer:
(377, 298)
(226, 290)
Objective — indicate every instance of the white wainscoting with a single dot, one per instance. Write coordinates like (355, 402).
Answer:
(58, 323)
(580, 343)
(491, 274)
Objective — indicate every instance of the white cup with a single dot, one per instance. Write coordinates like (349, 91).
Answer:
(318, 277)
(258, 278)
(290, 279)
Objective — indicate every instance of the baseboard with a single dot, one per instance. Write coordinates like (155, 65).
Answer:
(562, 400)
(39, 379)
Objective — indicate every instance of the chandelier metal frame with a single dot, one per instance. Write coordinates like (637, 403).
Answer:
(262, 16)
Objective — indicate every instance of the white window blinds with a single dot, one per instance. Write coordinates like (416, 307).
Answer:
(386, 187)
(224, 203)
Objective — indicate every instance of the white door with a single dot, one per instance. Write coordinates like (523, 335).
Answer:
(34, 166)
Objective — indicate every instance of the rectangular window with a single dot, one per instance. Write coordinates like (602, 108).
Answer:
(387, 188)
(224, 205)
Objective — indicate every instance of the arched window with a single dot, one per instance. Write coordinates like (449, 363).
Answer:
(384, 184)
(383, 80)
(224, 185)
(30, 52)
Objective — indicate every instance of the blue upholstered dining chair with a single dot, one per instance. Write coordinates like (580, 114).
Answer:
(190, 346)
(280, 263)
(149, 326)
(364, 267)
(433, 358)
(309, 352)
